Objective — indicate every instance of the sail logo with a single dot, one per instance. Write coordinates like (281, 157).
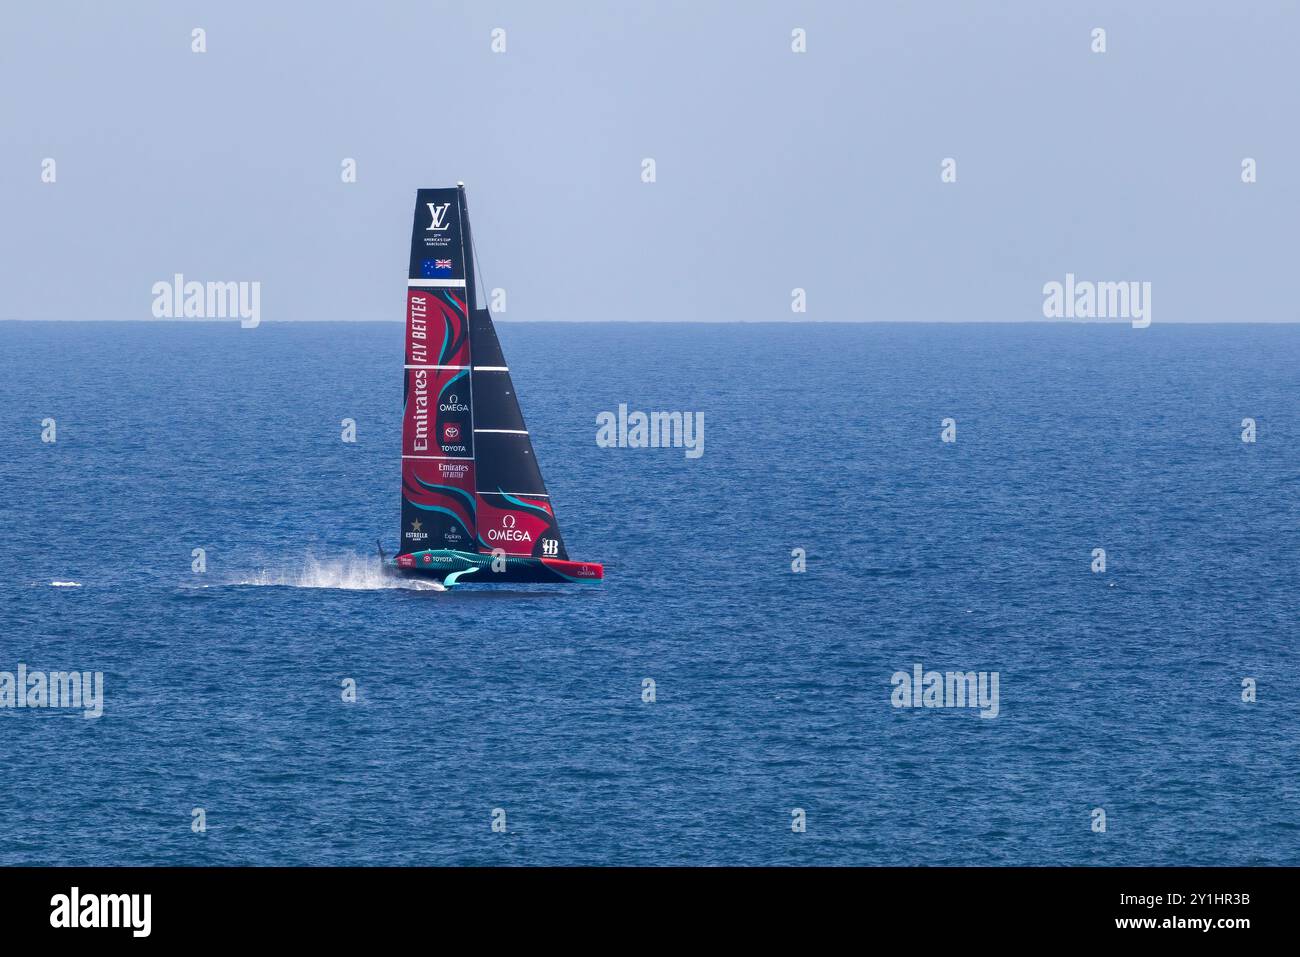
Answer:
(420, 413)
(438, 221)
(453, 404)
(654, 430)
(453, 439)
(417, 324)
(211, 300)
(508, 532)
(1085, 299)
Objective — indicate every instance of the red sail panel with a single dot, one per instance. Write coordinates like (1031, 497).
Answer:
(437, 504)
(436, 330)
(518, 525)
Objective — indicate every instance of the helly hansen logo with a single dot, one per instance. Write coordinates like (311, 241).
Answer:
(438, 217)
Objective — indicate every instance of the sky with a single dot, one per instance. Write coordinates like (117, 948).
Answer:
(775, 170)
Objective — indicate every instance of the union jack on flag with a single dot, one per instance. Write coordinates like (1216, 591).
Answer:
(431, 268)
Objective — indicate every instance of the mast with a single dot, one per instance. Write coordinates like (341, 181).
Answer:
(471, 299)
(471, 288)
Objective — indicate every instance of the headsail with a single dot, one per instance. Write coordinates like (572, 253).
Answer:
(514, 508)
(470, 479)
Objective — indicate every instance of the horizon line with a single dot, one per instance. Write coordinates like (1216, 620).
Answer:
(699, 322)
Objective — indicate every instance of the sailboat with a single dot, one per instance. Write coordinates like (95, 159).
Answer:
(474, 505)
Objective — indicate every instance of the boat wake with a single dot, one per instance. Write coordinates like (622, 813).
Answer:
(349, 573)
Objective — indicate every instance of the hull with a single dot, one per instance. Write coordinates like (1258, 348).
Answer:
(456, 567)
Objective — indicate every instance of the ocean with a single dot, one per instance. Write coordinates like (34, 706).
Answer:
(1120, 691)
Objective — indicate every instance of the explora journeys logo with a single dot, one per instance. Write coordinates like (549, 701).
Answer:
(438, 217)
(508, 532)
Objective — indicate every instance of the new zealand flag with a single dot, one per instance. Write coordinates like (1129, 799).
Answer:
(435, 268)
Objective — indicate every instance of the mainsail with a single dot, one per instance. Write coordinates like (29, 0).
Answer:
(470, 479)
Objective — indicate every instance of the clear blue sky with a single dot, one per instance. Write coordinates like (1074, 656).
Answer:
(775, 169)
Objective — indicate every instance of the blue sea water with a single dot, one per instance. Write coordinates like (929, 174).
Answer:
(1120, 690)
